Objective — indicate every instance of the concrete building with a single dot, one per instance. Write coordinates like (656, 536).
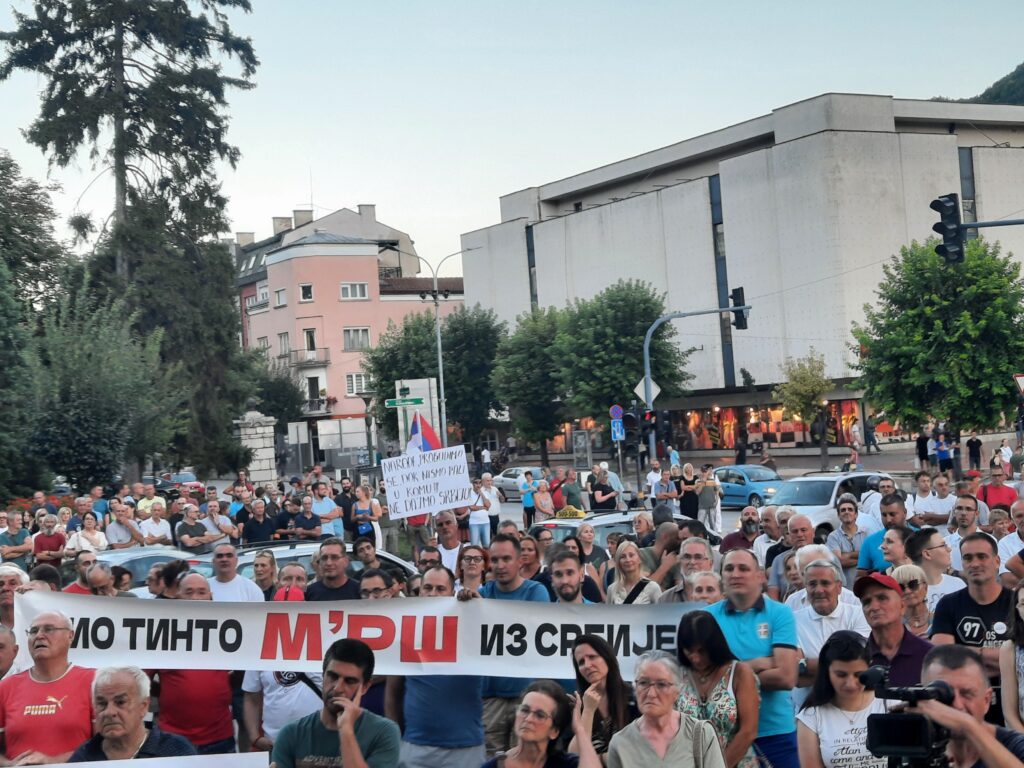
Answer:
(801, 207)
(316, 294)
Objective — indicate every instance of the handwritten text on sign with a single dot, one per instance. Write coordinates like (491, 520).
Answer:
(413, 636)
(428, 482)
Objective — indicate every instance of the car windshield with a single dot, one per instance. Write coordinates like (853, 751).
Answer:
(761, 475)
(803, 493)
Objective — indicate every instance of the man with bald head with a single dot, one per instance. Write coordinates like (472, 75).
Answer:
(448, 539)
(800, 533)
(46, 711)
(744, 538)
(205, 720)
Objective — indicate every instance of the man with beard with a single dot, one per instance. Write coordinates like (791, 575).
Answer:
(567, 578)
(342, 728)
(750, 528)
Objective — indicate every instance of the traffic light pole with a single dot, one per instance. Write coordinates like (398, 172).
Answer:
(652, 438)
(1001, 223)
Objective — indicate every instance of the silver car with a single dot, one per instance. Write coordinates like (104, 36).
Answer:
(815, 495)
(508, 481)
(293, 552)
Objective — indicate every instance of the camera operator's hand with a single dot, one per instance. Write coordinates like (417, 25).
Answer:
(959, 723)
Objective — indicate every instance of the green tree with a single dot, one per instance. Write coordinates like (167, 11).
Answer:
(801, 394)
(526, 377)
(600, 346)
(944, 340)
(279, 394)
(470, 338)
(90, 385)
(142, 85)
(406, 351)
(28, 247)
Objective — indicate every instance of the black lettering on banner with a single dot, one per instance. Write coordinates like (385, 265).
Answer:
(205, 625)
(517, 638)
(98, 633)
(234, 626)
(544, 648)
(568, 636)
(133, 626)
(665, 637)
(648, 645)
(618, 638)
(491, 644)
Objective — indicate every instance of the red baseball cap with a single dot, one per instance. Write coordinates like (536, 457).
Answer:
(286, 594)
(861, 585)
(972, 473)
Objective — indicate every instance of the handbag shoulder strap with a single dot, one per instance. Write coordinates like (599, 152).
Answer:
(311, 685)
(698, 743)
(634, 593)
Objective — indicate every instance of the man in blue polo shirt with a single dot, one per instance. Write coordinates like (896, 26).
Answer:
(501, 694)
(762, 633)
(894, 515)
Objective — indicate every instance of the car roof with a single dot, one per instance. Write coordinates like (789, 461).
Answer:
(124, 555)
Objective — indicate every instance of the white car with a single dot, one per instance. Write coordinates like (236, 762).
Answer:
(604, 524)
(815, 495)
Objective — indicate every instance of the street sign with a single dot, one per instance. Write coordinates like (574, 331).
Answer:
(618, 431)
(1019, 379)
(402, 402)
(615, 411)
(655, 390)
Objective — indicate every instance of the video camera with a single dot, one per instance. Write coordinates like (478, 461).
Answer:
(907, 738)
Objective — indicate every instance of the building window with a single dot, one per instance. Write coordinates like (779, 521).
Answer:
(280, 297)
(263, 344)
(354, 291)
(284, 345)
(356, 382)
(310, 335)
(356, 339)
(306, 292)
(262, 292)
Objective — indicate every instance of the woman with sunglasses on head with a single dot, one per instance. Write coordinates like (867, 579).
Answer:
(544, 717)
(916, 616)
(470, 568)
(608, 703)
(717, 687)
(1011, 665)
(833, 721)
(662, 735)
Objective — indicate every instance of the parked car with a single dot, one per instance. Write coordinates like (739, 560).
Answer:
(292, 552)
(604, 524)
(747, 484)
(138, 560)
(815, 494)
(508, 481)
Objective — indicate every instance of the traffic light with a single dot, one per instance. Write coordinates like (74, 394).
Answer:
(650, 424)
(739, 316)
(952, 246)
(631, 426)
(665, 427)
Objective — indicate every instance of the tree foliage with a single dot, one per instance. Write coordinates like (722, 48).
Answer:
(470, 338)
(526, 376)
(944, 340)
(279, 394)
(142, 86)
(94, 379)
(804, 386)
(600, 347)
(28, 247)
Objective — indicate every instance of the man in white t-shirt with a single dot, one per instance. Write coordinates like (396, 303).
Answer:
(447, 539)
(1012, 543)
(654, 476)
(923, 507)
(772, 533)
(227, 586)
(966, 513)
(156, 530)
(929, 551)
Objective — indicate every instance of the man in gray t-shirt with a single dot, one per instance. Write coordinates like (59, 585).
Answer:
(124, 533)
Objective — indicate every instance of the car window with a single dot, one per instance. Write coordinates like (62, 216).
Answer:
(602, 531)
(804, 493)
(737, 478)
(762, 475)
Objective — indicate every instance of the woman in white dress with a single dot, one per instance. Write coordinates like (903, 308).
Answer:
(832, 725)
(630, 585)
(89, 537)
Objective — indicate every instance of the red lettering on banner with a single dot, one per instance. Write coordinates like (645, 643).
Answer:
(278, 633)
(429, 650)
(358, 624)
(336, 619)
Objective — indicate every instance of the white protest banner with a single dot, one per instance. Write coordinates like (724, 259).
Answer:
(243, 760)
(410, 636)
(427, 482)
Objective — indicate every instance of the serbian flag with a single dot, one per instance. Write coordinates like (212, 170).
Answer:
(421, 436)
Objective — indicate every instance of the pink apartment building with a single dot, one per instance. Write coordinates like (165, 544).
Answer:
(315, 295)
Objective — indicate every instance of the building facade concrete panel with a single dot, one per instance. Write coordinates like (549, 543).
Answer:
(999, 179)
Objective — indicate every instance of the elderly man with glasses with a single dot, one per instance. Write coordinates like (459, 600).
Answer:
(46, 711)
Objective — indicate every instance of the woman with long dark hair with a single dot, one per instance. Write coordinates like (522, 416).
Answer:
(834, 718)
(608, 704)
(1011, 665)
(717, 687)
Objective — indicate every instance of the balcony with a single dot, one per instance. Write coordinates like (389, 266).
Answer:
(257, 306)
(317, 406)
(304, 358)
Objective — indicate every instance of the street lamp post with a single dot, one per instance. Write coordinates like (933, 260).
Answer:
(367, 398)
(435, 295)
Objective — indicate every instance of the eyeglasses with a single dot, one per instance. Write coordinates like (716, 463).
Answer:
(368, 593)
(472, 559)
(661, 686)
(536, 714)
(943, 545)
(911, 585)
(426, 563)
(46, 629)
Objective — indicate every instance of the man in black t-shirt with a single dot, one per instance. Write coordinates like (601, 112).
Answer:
(974, 451)
(334, 582)
(977, 616)
(346, 500)
(285, 521)
(259, 527)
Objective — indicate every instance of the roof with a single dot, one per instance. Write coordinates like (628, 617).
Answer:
(327, 238)
(251, 261)
(400, 285)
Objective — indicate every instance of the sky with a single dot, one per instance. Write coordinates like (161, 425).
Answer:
(432, 111)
